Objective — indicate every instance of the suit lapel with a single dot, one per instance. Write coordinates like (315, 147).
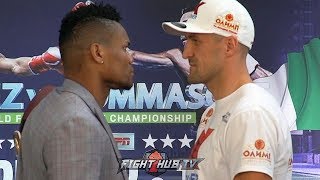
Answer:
(86, 96)
(102, 119)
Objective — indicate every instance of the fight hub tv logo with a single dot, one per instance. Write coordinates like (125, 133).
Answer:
(155, 163)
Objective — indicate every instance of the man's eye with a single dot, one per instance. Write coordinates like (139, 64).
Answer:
(194, 40)
(183, 39)
(184, 42)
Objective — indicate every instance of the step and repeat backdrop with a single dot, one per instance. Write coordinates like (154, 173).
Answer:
(162, 111)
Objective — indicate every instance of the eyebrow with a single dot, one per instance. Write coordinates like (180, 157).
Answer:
(190, 36)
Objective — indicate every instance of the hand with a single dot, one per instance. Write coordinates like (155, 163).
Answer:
(17, 66)
(49, 60)
(175, 55)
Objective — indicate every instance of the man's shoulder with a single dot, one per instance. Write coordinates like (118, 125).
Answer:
(256, 97)
(58, 108)
(63, 98)
(257, 105)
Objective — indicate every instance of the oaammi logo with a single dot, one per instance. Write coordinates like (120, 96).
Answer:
(227, 23)
(258, 152)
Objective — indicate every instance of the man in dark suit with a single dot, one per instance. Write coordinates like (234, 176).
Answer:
(66, 135)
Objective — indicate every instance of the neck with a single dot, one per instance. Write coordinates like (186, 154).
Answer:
(229, 81)
(94, 85)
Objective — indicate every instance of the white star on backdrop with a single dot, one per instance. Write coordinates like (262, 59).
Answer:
(167, 141)
(1, 140)
(185, 141)
(149, 141)
(12, 143)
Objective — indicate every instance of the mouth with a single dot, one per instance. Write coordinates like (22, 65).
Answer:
(192, 63)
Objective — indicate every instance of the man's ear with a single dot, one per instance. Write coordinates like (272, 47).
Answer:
(97, 52)
(232, 45)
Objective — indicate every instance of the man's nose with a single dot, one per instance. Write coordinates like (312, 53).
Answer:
(130, 54)
(187, 52)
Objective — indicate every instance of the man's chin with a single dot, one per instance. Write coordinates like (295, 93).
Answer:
(193, 81)
(126, 86)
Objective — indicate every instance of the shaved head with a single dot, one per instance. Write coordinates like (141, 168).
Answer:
(96, 31)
